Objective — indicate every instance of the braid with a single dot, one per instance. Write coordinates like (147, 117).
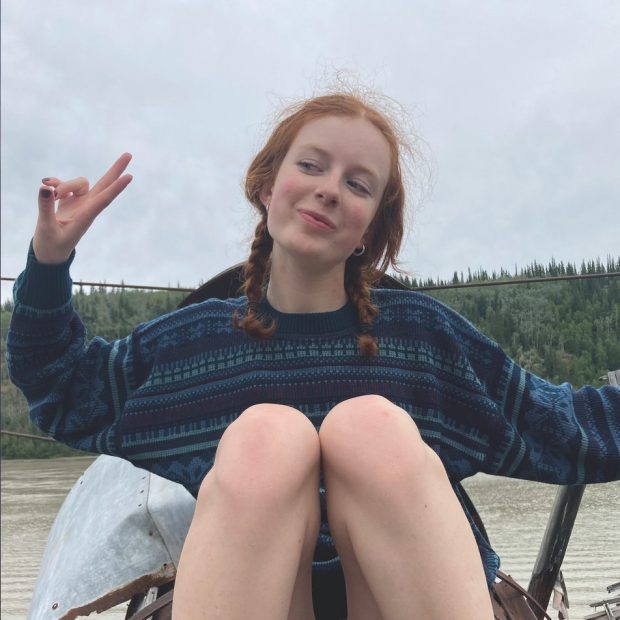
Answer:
(254, 272)
(357, 285)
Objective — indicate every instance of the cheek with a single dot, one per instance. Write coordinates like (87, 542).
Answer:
(286, 187)
(361, 218)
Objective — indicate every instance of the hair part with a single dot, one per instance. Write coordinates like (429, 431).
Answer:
(384, 235)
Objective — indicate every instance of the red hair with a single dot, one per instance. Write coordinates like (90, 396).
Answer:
(385, 232)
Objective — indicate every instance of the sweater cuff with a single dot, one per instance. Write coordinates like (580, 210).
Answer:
(44, 287)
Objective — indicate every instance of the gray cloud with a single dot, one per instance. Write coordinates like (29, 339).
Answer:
(517, 102)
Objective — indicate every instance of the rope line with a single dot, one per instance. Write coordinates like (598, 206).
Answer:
(434, 287)
(145, 287)
(27, 436)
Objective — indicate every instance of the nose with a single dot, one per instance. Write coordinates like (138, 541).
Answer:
(328, 190)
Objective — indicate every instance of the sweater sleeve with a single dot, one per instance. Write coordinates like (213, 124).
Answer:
(556, 433)
(75, 392)
(544, 432)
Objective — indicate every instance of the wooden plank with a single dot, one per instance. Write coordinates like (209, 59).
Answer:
(605, 614)
(609, 601)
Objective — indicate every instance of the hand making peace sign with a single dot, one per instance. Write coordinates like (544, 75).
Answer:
(59, 230)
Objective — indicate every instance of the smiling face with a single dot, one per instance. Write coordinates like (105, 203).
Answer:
(327, 191)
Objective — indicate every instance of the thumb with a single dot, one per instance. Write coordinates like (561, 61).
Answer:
(46, 202)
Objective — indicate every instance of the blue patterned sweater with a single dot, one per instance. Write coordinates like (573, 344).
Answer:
(163, 396)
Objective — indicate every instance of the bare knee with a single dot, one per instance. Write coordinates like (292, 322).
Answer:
(268, 453)
(370, 438)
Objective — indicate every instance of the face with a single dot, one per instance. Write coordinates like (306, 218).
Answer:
(327, 191)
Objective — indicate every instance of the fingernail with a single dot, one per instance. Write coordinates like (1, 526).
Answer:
(45, 180)
(45, 193)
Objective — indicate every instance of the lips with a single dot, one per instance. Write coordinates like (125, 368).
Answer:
(317, 217)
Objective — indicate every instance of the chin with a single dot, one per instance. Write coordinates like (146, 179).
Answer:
(314, 255)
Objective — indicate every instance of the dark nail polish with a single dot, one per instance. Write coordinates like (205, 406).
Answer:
(45, 180)
(45, 193)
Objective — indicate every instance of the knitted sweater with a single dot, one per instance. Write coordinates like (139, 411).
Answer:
(163, 396)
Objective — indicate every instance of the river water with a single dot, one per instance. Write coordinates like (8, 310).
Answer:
(514, 512)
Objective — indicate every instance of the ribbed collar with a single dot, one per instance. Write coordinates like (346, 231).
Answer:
(313, 323)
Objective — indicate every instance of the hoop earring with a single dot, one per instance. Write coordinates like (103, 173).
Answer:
(359, 251)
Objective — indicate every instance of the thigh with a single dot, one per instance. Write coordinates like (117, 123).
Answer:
(361, 603)
(387, 494)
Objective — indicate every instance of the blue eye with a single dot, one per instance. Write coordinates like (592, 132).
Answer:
(309, 166)
(358, 187)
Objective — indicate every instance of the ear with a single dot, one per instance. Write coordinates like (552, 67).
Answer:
(265, 194)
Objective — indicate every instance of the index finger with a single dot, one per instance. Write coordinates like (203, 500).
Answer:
(112, 174)
(107, 195)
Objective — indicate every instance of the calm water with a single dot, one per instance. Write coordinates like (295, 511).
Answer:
(515, 514)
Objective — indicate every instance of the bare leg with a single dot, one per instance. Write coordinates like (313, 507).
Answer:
(405, 544)
(249, 549)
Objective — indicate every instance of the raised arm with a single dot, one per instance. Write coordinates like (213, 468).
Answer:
(75, 393)
(59, 230)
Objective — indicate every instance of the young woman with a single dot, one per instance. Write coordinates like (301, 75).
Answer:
(226, 397)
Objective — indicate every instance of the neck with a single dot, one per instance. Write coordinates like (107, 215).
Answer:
(296, 289)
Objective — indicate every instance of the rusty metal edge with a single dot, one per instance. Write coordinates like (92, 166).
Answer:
(116, 597)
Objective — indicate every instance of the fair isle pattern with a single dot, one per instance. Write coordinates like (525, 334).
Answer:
(163, 396)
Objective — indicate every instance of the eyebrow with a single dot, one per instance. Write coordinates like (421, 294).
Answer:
(373, 175)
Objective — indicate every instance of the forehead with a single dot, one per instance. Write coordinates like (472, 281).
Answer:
(355, 140)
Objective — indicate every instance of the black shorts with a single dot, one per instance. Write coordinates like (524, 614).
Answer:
(329, 593)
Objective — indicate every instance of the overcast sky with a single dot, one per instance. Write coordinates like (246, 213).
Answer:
(517, 103)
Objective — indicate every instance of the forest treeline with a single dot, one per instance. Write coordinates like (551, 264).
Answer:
(534, 270)
(560, 330)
